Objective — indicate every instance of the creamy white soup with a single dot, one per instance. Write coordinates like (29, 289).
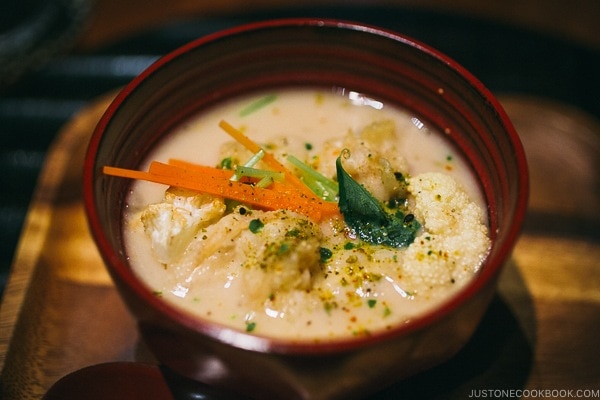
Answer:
(391, 221)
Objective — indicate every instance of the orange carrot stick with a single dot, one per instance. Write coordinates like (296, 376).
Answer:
(225, 173)
(127, 173)
(280, 197)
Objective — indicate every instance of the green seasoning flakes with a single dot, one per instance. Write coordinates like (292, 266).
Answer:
(284, 248)
(226, 163)
(326, 254)
(256, 225)
(250, 326)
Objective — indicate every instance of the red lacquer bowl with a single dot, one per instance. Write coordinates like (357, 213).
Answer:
(305, 52)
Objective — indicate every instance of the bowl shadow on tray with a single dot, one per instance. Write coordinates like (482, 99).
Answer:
(498, 356)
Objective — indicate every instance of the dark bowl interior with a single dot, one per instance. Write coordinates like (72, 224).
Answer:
(314, 53)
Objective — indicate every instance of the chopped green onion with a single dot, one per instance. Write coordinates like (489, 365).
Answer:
(250, 163)
(322, 186)
(265, 182)
(250, 172)
(257, 105)
(255, 158)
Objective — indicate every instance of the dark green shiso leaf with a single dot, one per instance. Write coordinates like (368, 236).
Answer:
(367, 217)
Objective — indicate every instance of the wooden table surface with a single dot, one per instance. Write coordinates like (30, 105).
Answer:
(541, 331)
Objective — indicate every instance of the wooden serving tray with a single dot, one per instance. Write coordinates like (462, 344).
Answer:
(60, 311)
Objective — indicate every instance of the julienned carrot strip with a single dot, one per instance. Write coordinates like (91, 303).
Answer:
(281, 196)
(268, 158)
(241, 138)
(127, 173)
(324, 208)
(203, 169)
(247, 174)
(225, 173)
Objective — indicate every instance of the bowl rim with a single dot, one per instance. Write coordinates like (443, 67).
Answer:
(489, 271)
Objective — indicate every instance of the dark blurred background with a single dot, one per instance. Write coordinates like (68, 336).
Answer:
(56, 56)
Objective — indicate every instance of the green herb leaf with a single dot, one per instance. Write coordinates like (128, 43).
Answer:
(367, 216)
(355, 202)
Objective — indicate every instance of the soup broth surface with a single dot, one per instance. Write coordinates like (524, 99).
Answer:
(280, 273)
